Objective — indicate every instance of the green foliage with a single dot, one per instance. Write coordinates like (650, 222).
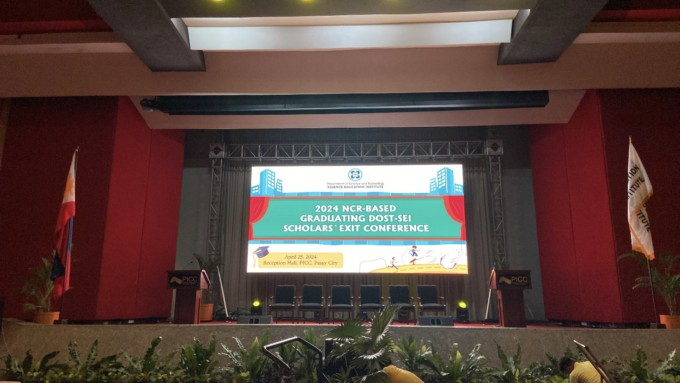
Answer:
(38, 287)
(360, 351)
(248, 364)
(196, 361)
(416, 357)
(28, 370)
(151, 367)
(668, 370)
(91, 369)
(511, 370)
(458, 369)
(302, 360)
(661, 277)
(637, 370)
(305, 370)
(106, 370)
(638, 365)
(547, 372)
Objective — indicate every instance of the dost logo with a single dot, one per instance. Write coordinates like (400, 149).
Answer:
(355, 174)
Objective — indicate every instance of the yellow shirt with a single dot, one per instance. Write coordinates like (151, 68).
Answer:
(397, 375)
(584, 372)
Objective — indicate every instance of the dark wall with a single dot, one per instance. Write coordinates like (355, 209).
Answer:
(127, 197)
(650, 119)
(41, 137)
(573, 217)
(579, 171)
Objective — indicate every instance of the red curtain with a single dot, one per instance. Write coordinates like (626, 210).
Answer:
(455, 206)
(258, 207)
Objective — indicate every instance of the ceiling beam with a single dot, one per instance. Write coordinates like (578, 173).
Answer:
(344, 103)
(547, 30)
(155, 31)
(269, 8)
(160, 42)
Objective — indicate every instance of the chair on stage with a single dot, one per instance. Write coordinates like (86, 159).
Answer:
(430, 301)
(370, 299)
(401, 296)
(340, 300)
(312, 300)
(283, 300)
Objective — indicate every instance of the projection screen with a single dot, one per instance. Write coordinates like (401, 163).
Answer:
(406, 219)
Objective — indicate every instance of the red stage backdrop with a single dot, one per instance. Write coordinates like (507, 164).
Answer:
(579, 173)
(129, 180)
(128, 202)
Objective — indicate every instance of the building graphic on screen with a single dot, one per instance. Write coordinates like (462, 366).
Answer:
(269, 185)
(444, 183)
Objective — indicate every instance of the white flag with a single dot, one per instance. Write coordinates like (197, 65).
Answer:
(639, 191)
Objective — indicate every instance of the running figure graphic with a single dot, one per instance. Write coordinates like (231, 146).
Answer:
(414, 254)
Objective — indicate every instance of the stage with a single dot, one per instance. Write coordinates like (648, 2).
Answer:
(536, 339)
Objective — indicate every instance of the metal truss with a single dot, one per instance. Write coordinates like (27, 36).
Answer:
(214, 249)
(500, 259)
(367, 152)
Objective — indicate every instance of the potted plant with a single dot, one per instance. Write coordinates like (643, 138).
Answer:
(665, 281)
(210, 295)
(38, 291)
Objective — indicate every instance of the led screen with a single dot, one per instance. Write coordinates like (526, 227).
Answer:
(406, 219)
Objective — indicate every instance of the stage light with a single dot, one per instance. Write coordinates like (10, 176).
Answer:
(256, 307)
(462, 313)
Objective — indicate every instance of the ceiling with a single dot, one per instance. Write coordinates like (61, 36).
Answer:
(348, 48)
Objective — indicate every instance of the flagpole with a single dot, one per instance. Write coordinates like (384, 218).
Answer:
(69, 241)
(651, 287)
(68, 262)
(639, 192)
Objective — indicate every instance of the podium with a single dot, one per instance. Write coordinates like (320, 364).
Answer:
(509, 286)
(188, 286)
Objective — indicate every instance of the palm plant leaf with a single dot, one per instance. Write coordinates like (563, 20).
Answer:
(661, 277)
(38, 287)
(360, 350)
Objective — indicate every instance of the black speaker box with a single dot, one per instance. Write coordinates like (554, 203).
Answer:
(254, 319)
(435, 321)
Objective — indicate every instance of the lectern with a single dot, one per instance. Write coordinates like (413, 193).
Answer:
(188, 285)
(509, 286)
